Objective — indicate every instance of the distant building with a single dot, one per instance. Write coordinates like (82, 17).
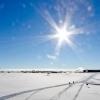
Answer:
(80, 70)
(92, 70)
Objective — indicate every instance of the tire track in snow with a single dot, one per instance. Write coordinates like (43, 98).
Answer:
(39, 89)
(84, 81)
(23, 92)
(57, 96)
(60, 93)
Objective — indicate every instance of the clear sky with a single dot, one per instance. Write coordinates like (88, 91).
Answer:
(49, 34)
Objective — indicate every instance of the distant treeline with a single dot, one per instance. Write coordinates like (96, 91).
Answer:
(32, 71)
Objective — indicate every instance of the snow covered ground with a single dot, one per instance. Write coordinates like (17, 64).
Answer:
(40, 86)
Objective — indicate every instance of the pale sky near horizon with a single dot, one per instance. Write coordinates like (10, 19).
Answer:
(49, 34)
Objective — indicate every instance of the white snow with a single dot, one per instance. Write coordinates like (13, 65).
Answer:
(39, 86)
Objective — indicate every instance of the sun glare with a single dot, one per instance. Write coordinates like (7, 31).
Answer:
(62, 34)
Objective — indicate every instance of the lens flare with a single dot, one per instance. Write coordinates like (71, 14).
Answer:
(63, 34)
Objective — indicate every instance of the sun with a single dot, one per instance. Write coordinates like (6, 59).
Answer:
(63, 34)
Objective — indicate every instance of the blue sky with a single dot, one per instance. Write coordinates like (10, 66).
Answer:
(28, 29)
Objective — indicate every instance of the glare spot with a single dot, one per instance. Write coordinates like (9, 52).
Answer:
(50, 7)
(76, 8)
(89, 46)
(51, 63)
(31, 4)
(13, 24)
(45, 23)
(41, 33)
(17, 20)
(92, 14)
(46, 12)
(13, 38)
(60, 21)
(89, 8)
(81, 32)
(23, 24)
(87, 33)
(39, 57)
(71, 9)
(55, 7)
(72, 27)
(44, 4)
(2, 6)
(29, 26)
(81, 50)
(79, 44)
(63, 65)
(57, 53)
(23, 5)
(64, 5)
(83, 18)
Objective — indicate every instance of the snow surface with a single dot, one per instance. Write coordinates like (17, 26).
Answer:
(40, 86)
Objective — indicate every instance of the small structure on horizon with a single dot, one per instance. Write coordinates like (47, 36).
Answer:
(80, 70)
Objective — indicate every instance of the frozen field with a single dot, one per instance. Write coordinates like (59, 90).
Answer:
(39, 86)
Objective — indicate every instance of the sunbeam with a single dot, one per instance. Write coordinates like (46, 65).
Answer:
(45, 13)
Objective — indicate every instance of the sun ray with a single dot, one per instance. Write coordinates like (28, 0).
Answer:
(45, 13)
(68, 18)
(75, 48)
(23, 42)
(70, 44)
(77, 31)
(57, 49)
